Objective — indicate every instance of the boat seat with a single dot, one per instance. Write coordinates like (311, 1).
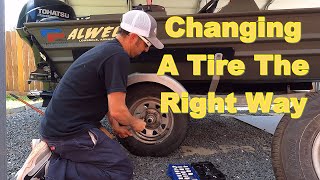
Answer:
(84, 8)
(174, 7)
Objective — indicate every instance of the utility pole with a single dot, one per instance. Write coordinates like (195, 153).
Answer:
(3, 149)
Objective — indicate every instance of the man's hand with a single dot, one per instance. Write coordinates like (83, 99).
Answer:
(138, 125)
(122, 131)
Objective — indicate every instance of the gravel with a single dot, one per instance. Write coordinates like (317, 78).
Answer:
(239, 150)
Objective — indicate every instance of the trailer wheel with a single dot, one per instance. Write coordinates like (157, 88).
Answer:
(296, 144)
(164, 132)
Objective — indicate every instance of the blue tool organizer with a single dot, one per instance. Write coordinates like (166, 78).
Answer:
(196, 171)
(182, 171)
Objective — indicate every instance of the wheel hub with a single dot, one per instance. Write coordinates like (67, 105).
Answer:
(158, 125)
(152, 119)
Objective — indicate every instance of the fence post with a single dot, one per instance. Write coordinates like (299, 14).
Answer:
(9, 67)
(21, 80)
(19, 64)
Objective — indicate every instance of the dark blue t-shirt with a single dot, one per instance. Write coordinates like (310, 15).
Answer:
(80, 100)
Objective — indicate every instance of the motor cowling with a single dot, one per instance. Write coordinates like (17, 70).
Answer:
(38, 10)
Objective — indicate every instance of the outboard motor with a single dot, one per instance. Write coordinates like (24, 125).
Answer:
(42, 11)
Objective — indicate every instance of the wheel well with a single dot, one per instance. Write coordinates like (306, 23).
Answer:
(140, 84)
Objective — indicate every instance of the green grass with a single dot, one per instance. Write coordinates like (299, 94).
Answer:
(10, 98)
(12, 102)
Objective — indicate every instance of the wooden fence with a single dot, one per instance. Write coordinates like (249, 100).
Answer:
(19, 64)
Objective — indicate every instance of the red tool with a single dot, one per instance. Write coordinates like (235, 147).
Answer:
(42, 113)
(34, 108)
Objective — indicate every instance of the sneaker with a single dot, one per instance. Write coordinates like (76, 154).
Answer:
(34, 142)
(36, 161)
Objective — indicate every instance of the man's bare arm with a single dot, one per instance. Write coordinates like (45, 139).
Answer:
(121, 131)
(112, 122)
(119, 111)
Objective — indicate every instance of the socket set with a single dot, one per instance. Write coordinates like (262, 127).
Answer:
(182, 171)
(195, 171)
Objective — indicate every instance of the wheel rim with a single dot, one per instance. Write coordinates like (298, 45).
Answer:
(316, 155)
(158, 125)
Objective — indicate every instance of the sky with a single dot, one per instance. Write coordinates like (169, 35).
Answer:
(12, 11)
(13, 8)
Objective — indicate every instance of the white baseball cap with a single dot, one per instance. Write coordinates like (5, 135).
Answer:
(142, 24)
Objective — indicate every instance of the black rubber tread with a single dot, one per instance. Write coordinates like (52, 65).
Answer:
(276, 152)
(293, 140)
(172, 142)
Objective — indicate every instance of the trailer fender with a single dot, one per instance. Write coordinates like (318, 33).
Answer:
(164, 80)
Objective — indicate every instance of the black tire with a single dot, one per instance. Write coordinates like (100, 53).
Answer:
(294, 141)
(170, 128)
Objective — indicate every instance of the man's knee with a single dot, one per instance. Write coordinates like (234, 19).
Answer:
(127, 166)
(124, 170)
